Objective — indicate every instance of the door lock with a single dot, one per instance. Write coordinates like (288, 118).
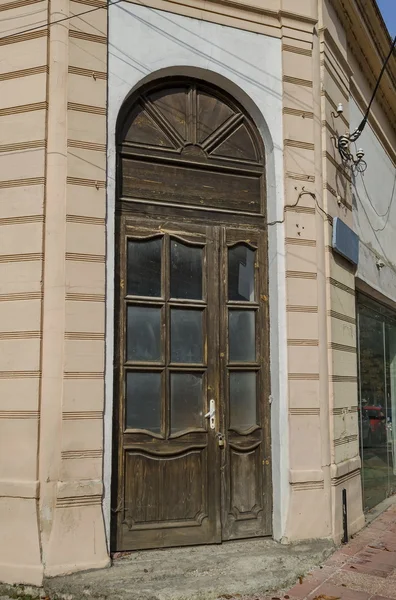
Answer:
(220, 439)
(211, 415)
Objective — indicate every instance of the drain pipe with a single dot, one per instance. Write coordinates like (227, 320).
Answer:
(344, 516)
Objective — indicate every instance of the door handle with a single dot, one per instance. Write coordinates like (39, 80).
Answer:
(211, 415)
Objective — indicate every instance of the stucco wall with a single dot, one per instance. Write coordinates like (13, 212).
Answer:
(145, 43)
(374, 211)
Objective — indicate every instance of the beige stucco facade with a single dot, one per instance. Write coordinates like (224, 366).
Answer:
(54, 178)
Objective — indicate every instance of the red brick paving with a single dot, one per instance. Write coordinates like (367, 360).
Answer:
(364, 569)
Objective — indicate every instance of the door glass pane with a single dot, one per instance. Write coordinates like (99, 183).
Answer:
(391, 415)
(243, 406)
(144, 268)
(186, 271)
(241, 273)
(143, 333)
(186, 401)
(373, 408)
(143, 401)
(186, 336)
(242, 335)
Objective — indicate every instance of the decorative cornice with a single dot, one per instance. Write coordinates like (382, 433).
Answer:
(297, 50)
(293, 308)
(87, 72)
(23, 73)
(78, 257)
(341, 286)
(302, 342)
(304, 411)
(300, 275)
(85, 220)
(300, 242)
(88, 37)
(78, 297)
(336, 315)
(297, 81)
(303, 376)
(16, 110)
(15, 38)
(297, 112)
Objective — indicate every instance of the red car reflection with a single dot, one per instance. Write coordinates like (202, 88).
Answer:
(374, 419)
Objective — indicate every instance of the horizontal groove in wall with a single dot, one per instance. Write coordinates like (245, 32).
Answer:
(345, 440)
(77, 297)
(96, 3)
(306, 210)
(336, 315)
(297, 112)
(342, 347)
(300, 275)
(86, 145)
(343, 378)
(86, 182)
(341, 286)
(84, 375)
(21, 296)
(88, 37)
(337, 81)
(75, 256)
(339, 166)
(335, 481)
(304, 411)
(297, 81)
(296, 50)
(20, 374)
(338, 197)
(78, 501)
(24, 220)
(83, 220)
(307, 485)
(78, 454)
(18, 146)
(300, 176)
(301, 308)
(24, 73)
(27, 257)
(343, 411)
(20, 335)
(87, 108)
(19, 414)
(16, 4)
(15, 38)
(22, 108)
(300, 242)
(302, 342)
(299, 144)
(84, 335)
(84, 414)
(303, 376)
(11, 183)
(87, 72)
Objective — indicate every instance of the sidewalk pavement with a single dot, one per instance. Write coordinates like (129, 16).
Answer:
(363, 569)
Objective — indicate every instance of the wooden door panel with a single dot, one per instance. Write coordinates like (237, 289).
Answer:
(168, 459)
(246, 489)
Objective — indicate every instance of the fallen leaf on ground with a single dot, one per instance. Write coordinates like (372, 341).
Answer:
(324, 597)
(300, 580)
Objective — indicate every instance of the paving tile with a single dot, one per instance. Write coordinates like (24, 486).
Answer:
(311, 581)
(369, 568)
(343, 593)
(357, 581)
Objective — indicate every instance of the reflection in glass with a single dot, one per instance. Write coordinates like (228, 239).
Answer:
(241, 273)
(243, 406)
(186, 336)
(391, 416)
(143, 333)
(186, 401)
(186, 271)
(242, 335)
(143, 401)
(144, 268)
(373, 408)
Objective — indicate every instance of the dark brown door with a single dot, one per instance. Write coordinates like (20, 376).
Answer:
(168, 459)
(192, 418)
(244, 395)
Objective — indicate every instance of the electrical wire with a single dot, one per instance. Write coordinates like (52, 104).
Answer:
(303, 192)
(364, 121)
(48, 24)
(389, 207)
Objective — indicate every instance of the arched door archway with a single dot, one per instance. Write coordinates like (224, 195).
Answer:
(192, 424)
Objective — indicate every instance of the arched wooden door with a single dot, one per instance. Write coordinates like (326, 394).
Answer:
(192, 424)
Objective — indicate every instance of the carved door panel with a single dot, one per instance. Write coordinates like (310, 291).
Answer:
(246, 468)
(168, 490)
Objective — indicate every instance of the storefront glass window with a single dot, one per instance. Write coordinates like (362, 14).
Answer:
(377, 400)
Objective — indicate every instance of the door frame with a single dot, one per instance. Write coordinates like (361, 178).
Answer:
(213, 219)
(261, 111)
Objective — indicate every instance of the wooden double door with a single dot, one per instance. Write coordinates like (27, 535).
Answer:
(192, 425)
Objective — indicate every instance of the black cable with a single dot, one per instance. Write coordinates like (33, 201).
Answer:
(303, 192)
(48, 24)
(364, 121)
